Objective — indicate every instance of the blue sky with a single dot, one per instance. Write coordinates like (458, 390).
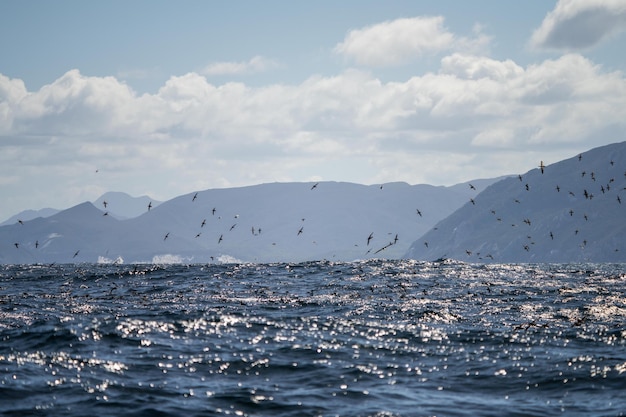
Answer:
(163, 98)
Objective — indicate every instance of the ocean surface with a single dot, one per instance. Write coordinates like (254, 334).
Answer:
(371, 338)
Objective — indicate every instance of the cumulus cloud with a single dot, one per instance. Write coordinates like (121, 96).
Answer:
(580, 24)
(254, 65)
(396, 41)
(193, 134)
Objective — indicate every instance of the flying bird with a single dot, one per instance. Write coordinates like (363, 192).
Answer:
(75, 254)
(36, 244)
(17, 245)
(20, 222)
(194, 197)
(213, 211)
(149, 206)
(203, 223)
(541, 166)
(419, 212)
(315, 186)
(370, 237)
(166, 236)
(233, 226)
(104, 203)
(300, 231)
(471, 186)
(220, 239)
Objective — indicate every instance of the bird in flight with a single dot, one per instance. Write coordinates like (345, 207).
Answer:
(17, 245)
(75, 254)
(472, 187)
(194, 197)
(104, 203)
(541, 166)
(203, 223)
(220, 239)
(370, 237)
(315, 186)
(149, 205)
(419, 212)
(36, 244)
(213, 211)
(166, 236)
(300, 231)
(21, 222)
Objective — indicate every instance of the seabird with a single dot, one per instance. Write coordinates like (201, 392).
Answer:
(36, 244)
(149, 205)
(314, 186)
(220, 239)
(75, 254)
(194, 197)
(213, 211)
(104, 203)
(20, 222)
(395, 239)
(233, 226)
(166, 236)
(472, 201)
(541, 166)
(370, 237)
(419, 212)
(472, 187)
(198, 235)
(558, 189)
(17, 245)
(300, 231)
(203, 223)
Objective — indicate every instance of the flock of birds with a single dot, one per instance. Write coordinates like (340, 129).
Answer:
(589, 190)
(587, 193)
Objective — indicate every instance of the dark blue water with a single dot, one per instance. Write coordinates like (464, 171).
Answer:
(375, 338)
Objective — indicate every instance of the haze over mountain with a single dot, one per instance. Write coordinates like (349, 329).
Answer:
(269, 222)
(575, 211)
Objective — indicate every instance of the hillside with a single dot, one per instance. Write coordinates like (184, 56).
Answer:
(263, 223)
(575, 211)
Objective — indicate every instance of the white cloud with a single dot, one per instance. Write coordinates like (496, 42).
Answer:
(192, 134)
(580, 24)
(254, 65)
(396, 41)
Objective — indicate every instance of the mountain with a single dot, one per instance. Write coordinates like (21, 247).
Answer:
(29, 215)
(123, 206)
(573, 211)
(262, 223)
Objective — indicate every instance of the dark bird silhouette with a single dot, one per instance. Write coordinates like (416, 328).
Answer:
(194, 197)
(619, 200)
(527, 187)
(541, 166)
(17, 245)
(36, 244)
(370, 237)
(426, 244)
(220, 239)
(233, 226)
(203, 223)
(300, 231)
(198, 235)
(571, 212)
(104, 203)
(580, 157)
(551, 236)
(315, 186)
(472, 201)
(558, 189)
(166, 236)
(149, 206)
(213, 211)
(395, 239)
(519, 177)
(419, 212)
(76, 254)
(471, 186)
(20, 222)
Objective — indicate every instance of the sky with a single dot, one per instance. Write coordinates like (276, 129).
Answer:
(163, 98)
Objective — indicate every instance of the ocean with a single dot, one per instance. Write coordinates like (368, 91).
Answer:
(368, 338)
